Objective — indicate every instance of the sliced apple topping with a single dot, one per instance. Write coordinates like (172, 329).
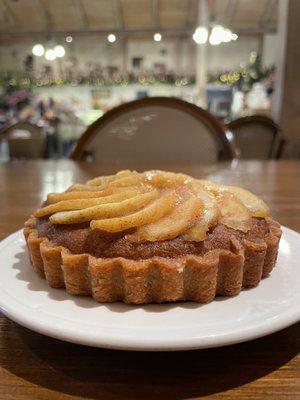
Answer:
(172, 225)
(208, 218)
(56, 197)
(162, 179)
(127, 181)
(80, 203)
(104, 180)
(255, 205)
(121, 179)
(212, 187)
(152, 212)
(104, 210)
(160, 205)
(78, 187)
(233, 212)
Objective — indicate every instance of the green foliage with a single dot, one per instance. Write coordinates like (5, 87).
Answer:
(244, 78)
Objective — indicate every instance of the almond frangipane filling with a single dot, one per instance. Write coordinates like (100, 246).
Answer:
(159, 205)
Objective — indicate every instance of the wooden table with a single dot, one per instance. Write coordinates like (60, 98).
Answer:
(37, 367)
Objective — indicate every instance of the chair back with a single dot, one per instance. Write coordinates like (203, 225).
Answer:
(256, 137)
(155, 130)
(25, 140)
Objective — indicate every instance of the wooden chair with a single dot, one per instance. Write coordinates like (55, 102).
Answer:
(257, 137)
(25, 140)
(155, 130)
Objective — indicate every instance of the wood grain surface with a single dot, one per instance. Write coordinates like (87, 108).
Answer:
(37, 367)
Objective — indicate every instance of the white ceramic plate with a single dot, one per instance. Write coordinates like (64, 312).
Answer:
(273, 305)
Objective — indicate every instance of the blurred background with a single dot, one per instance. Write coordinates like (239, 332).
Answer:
(65, 63)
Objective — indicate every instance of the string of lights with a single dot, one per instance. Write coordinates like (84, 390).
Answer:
(213, 35)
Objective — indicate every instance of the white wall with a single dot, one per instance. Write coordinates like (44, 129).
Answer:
(231, 55)
(82, 51)
(179, 57)
(92, 49)
(270, 49)
(152, 52)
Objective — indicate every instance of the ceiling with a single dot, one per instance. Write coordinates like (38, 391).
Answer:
(28, 18)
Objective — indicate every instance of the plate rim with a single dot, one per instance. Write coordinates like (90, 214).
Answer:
(132, 343)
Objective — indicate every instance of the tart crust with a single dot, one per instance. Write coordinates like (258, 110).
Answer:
(157, 279)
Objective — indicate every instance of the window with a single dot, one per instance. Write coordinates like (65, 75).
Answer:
(137, 62)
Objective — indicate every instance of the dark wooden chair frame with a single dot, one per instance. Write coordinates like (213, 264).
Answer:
(263, 119)
(211, 122)
(20, 124)
(5, 133)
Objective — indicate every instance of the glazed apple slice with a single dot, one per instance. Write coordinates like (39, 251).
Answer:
(104, 210)
(81, 203)
(100, 180)
(86, 194)
(173, 224)
(212, 187)
(162, 179)
(233, 212)
(126, 181)
(152, 212)
(208, 219)
(256, 206)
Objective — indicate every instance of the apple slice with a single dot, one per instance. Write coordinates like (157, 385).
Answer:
(79, 187)
(208, 219)
(105, 180)
(233, 212)
(83, 194)
(152, 212)
(101, 180)
(81, 203)
(255, 205)
(104, 210)
(130, 180)
(162, 179)
(212, 187)
(173, 224)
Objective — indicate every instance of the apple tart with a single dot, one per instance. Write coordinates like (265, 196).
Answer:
(152, 237)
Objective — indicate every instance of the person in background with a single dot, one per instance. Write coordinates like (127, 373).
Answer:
(50, 115)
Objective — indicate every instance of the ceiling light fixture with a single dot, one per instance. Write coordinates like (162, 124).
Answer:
(218, 34)
(69, 39)
(157, 37)
(59, 51)
(200, 35)
(111, 38)
(227, 36)
(50, 55)
(38, 50)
